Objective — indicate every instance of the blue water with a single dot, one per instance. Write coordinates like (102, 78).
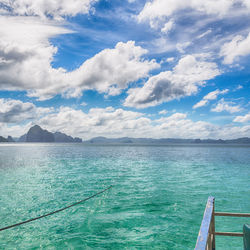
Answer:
(157, 201)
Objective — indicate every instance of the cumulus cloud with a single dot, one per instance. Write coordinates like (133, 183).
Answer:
(14, 130)
(243, 118)
(222, 105)
(14, 111)
(157, 11)
(56, 9)
(98, 121)
(115, 123)
(179, 125)
(184, 80)
(111, 122)
(239, 46)
(210, 96)
(112, 69)
(26, 56)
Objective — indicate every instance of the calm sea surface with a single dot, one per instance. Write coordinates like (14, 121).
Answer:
(157, 201)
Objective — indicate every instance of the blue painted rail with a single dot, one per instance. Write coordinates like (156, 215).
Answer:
(206, 237)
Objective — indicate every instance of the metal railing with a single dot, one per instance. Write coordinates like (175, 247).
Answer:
(206, 237)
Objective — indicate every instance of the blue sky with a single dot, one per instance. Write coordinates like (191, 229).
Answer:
(138, 68)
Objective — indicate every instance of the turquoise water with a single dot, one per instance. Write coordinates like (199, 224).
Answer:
(157, 201)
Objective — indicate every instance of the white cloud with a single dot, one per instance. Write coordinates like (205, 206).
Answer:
(161, 45)
(14, 111)
(98, 121)
(111, 122)
(167, 26)
(179, 126)
(56, 9)
(163, 112)
(184, 80)
(158, 10)
(214, 94)
(239, 46)
(14, 130)
(201, 103)
(172, 118)
(115, 123)
(204, 34)
(210, 96)
(182, 46)
(84, 104)
(112, 69)
(222, 105)
(246, 3)
(26, 56)
(242, 119)
(170, 59)
(239, 87)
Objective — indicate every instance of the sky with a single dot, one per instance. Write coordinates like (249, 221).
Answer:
(116, 68)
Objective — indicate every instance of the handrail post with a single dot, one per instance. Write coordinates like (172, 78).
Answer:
(213, 229)
(204, 240)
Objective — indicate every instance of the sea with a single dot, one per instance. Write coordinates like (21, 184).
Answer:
(157, 199)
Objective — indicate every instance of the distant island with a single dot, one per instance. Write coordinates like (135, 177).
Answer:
(37, 134)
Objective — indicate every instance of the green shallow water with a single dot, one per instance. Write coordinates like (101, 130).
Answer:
(157, 201)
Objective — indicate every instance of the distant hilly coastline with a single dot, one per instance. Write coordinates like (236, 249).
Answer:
(37, 134)
(9, 139)
(124, 140)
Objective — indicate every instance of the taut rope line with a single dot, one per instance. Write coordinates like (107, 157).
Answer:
(57, 211)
